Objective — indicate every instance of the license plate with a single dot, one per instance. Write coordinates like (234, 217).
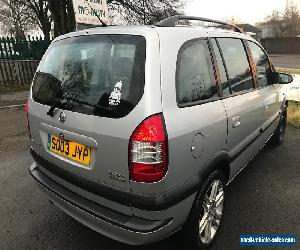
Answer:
(71, 150)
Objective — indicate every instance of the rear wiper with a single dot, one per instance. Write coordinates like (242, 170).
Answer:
(66, 97)
(58, 102)
(89, 104)
(55, 105)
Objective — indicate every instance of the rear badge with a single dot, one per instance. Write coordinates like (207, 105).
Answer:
(116, 177)
(62, 117)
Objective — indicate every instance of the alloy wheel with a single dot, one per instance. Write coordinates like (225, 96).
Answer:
(212, 210)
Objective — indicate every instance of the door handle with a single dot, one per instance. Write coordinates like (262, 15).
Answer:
(236, 121)
(266, 107)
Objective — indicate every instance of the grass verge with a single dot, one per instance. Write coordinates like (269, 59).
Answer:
(293, 114)
(288, 70)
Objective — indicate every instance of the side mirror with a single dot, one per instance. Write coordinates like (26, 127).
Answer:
(282, 78)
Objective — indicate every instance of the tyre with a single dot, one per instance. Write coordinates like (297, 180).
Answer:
(206, 215)
(279, 134)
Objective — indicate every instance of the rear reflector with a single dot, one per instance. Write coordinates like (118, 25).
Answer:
(26, 106)
(148, 151)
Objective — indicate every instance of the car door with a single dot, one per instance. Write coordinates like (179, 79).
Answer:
(242, 101)
(268, 91)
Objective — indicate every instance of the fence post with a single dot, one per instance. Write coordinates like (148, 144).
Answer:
(5, 48)
(18, 77)
(1, 48)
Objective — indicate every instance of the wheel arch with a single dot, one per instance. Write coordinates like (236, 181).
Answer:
(219, 161)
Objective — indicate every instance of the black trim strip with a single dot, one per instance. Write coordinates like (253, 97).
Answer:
(224, 64)
(132, 223)
(215, 66)
(251, 62)
(89, 185)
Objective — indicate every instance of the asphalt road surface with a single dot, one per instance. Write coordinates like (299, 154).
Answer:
(264, 199)
(13, 98)
(286, 61)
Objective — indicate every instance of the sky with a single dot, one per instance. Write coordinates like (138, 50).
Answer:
(245, 11)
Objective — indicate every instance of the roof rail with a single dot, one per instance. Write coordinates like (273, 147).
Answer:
(171, 22)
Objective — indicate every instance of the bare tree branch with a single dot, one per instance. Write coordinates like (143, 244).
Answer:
(285, 24)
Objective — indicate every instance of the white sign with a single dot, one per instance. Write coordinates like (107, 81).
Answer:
(292, 90)
(86, 11)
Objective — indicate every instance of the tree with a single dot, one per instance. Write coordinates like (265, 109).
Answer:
(62, 13)
(276, 20)
(145, 11)
(286, 24)
(40, 14)
(15, 18)
(291, 19)
(130, 11)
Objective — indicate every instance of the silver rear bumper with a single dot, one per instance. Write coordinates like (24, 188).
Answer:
(128, 229)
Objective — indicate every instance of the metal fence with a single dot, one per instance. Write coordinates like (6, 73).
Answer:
(19, 58)
(17, 72)
(30, 48)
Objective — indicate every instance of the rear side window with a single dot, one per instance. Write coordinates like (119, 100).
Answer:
(195, 79)
(237, 64)
(100, 75)
(263, 69)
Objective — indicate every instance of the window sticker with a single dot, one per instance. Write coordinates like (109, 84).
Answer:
(115, 96)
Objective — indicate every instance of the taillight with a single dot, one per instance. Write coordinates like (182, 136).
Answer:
(148, 150)
(27, 111)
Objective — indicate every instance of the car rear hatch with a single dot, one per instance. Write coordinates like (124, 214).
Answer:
(89, 94)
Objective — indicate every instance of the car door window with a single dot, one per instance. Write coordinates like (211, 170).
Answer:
(195, 78)
(222, 71)
(237, 64)
(261, 60)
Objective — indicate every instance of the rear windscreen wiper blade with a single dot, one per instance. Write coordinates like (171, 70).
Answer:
(58, 102)
(89, 104)
(54, 106)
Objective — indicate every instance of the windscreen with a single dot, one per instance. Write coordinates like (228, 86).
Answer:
(101, 75)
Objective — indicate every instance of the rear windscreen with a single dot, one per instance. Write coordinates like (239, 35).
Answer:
(101, 75)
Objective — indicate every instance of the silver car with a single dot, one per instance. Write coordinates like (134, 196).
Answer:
(136, 131)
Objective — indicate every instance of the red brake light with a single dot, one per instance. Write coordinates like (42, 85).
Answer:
(26, 106)
(148, 151)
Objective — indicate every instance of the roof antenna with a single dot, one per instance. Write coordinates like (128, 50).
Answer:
(96, 14)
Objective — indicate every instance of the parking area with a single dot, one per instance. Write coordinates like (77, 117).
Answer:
(13, 98)
(286, 61)
(265, 198)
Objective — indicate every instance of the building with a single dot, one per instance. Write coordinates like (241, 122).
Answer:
(267, 29)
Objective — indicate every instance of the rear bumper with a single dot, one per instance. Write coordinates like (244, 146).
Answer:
(128, 229)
